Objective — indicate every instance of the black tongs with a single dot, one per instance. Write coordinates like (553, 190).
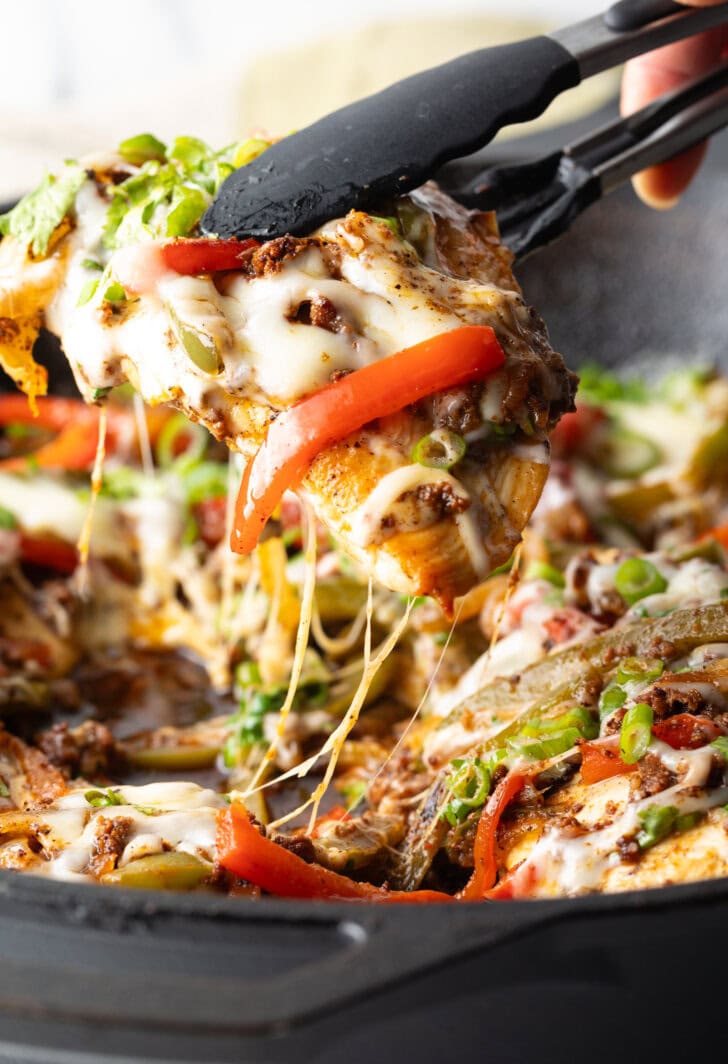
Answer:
(380, 147)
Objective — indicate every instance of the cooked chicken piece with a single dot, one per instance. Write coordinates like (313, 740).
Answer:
(232, 350)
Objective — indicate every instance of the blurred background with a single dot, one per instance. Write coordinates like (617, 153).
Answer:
(78, 75)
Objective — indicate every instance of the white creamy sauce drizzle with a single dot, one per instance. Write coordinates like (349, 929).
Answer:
(184, 819)
(367, 520)
(579, 864)
(384, 303)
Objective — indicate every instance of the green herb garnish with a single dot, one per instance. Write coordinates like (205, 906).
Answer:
(36, 217)
(100, 799)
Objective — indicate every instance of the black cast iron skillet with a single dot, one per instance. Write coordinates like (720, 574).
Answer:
(94, 974)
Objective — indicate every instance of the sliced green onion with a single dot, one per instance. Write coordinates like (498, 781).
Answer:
(636, 733)
(625, 454)
(637, 578)
(142, 148)
(4, 789)
(611, 698)
(100, 393)
(657, 822)
(688, 820)
(174, 432)
(544, 571)
(7, 519)
(544, 748)
(92, 264)
(639, 670)
(100, 799)
(578, 717)
(441, 449)
(469, 787)
(720, 745)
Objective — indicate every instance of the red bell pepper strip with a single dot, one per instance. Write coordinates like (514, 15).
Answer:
(686, 732)
(72, 449)
(300, 433)
(53, 412)
(485, 871)
(246, 853)
(49, 552)
(600, 760)
(140, 267)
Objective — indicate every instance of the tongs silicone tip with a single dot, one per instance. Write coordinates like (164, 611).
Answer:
(389, 143)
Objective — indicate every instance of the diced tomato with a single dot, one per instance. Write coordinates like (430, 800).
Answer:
(575, 428)
(686, 732)
(565, 623)
(210, 515)
(600, 760)
(49, 552)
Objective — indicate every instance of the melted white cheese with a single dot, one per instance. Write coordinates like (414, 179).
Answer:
(179, 816)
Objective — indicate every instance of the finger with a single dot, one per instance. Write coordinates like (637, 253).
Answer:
(652, 75)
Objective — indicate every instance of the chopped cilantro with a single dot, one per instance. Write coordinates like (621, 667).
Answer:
(35, 218)
(142, 148)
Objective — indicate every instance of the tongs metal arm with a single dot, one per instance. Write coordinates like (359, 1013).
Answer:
(537, 201)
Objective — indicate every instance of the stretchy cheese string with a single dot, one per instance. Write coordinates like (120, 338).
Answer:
(302, 634)
(228, 559)
(145, 446)
(339, 645)
(338, 737)
(513, 579)
(418, 710)
(84, 540)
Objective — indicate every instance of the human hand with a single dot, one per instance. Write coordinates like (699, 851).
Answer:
(662, 71)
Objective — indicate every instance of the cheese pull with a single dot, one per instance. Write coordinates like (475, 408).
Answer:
(266, 325)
